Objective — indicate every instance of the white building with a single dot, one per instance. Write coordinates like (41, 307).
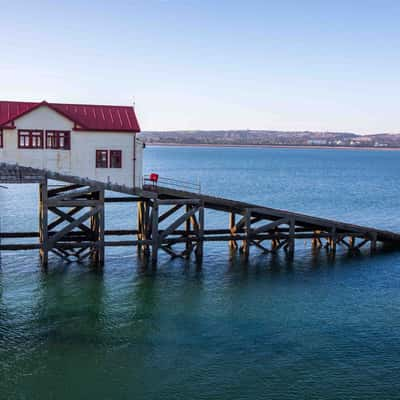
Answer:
(91, 141)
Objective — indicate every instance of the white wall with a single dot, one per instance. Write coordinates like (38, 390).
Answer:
(80, 160)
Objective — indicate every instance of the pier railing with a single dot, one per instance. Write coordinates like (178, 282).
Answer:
(172, 183)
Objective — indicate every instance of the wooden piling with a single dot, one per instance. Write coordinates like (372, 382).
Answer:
(43, 224)
(232, 223)
(291, 238)
(154, 232)
(247, 230)
(200, 234)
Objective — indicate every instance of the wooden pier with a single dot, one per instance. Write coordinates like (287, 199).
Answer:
(72, 223)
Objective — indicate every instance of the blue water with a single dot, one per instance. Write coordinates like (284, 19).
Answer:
(310, 329)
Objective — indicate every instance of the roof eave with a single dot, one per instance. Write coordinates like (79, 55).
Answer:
(106, 130)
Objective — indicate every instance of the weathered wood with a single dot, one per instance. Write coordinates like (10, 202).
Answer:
(123, 199)
(333, 240)
(162, 202)
(43, 224)
(247, 238)
(170, 212)
(73, 203)
(188, 244)
(232, 223)
(200, 234)
(154, 234)
(61, 189)
(270, 226)
(72, 194)
(73, 225)
(61, 219)
(292, 237)
(177, 223)
(68, 217)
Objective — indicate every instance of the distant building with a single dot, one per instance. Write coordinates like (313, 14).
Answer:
(317, 142)
(94, 141)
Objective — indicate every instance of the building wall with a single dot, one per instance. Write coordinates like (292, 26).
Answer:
(80, 160)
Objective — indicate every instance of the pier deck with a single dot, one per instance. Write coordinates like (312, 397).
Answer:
(169, 220)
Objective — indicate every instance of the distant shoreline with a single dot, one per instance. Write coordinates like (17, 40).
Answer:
(275, 146)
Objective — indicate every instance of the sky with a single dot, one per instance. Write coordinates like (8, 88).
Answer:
(187, 65)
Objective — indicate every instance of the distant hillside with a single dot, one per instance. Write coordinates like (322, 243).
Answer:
(273, 138)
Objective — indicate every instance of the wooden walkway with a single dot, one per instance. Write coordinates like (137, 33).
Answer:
(169, 220)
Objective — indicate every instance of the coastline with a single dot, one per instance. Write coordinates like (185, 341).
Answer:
(274, 146)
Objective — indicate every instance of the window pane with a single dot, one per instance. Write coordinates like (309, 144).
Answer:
(36, 139)
(115, 158)
(50, 140)
(101, 159)
(23, 139)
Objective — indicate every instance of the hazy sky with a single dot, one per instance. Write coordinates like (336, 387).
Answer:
(318, 65)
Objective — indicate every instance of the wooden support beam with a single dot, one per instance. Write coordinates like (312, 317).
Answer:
(247, 239)
(73, 225)
(61, 219)
(71, 194)
(260, 246)
(68, 217)
(270, 226)
(188, 244)
(43, 224)
(182, 202)
(168, 213)
(154, 233)
(123, 199)
(99, 231)
(200, 233)
(73, 203)
(232, 223)
(61, 189)
(291, 239)
(333, 240)
(178, 223)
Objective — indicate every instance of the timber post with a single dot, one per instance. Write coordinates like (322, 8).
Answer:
(188, 243)
(97, 222)
(333, 240)
(200, 233)
(291, 238)
(232, 222)
(154, 232)
(143, 228)
(247, 234)
(43, 224)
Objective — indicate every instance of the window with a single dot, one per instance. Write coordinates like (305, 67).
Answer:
(58, 140)
(101, 158)
(108, 158)
(115, 159)
(30, 139)
(1, 138)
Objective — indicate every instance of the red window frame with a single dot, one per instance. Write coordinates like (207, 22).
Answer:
(100, 161)
(32, 139)
(60, 140)
(115, 159)
(1, 138)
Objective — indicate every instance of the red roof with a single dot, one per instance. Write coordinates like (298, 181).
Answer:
(86, 117)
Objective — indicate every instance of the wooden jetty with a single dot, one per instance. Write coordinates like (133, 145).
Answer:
(72, 223)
